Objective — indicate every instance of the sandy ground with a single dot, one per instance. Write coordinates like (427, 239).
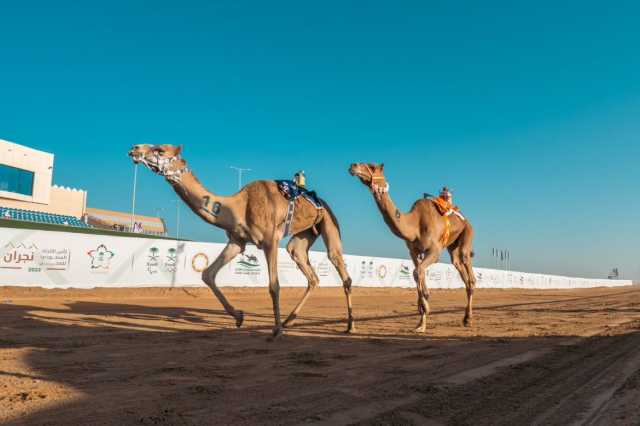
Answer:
(171, 357)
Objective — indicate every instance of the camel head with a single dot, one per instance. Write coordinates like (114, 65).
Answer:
(372, 175)
(138, 152)
(164, 160)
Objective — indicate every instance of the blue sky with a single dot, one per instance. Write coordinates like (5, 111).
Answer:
(530, 111)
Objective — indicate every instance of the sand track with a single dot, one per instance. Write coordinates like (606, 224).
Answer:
(171, 356)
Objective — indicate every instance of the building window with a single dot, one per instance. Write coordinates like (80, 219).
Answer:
(16, 180)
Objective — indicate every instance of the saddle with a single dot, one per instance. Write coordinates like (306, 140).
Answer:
(292, 192)
(446, 209)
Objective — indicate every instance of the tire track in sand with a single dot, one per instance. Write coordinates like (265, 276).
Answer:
(571, 382)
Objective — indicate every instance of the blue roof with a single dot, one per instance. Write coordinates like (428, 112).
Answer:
(41, 217)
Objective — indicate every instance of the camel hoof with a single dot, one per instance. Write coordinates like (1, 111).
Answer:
(289, 322)
(420, 329)
(351, 328)
(239, 318)
(277, 332)
(467, 322)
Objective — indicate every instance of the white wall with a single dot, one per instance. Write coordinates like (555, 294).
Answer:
(60, 260)
(38, 162)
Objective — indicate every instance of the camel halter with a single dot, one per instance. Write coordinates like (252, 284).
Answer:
(163, 165)
(377, 190)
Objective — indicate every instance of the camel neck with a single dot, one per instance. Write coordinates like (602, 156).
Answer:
(397, 221)
(202, 202)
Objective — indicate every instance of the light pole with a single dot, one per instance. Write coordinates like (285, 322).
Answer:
(239, 170)
(133, 198)
(177, 218)
(158, 210)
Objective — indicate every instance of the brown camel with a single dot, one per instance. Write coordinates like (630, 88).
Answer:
(426, 233)
(256, 214)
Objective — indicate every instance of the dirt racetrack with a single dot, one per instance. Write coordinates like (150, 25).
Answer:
(171, 357)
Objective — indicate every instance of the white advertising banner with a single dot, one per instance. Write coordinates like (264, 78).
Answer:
(60, 260)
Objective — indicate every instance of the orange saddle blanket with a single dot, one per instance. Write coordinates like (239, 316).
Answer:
(445, 208)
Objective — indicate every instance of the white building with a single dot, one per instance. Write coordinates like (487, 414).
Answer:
(26, 178)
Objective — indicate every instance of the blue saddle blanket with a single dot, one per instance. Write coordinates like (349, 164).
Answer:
(291, 191)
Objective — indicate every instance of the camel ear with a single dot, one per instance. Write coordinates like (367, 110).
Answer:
(381, 167)
(179, 150)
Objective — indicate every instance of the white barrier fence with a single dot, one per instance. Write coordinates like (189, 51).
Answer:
(60, 260)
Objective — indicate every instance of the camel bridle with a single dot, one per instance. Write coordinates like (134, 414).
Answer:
(162, 166)
(376, 187)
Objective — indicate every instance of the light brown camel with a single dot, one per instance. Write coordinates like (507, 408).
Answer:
(424, 230)
(256, 214)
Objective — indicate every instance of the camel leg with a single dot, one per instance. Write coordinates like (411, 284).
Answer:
(462, 260)
(209, 277)
(271, 253)
(423, 308)
(419, 275)
(331, 237)
(423, 302)
(298, 248)
(470, 286)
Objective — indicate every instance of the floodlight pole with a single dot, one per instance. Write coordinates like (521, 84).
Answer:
(177, 201)
(133, 198)
(239, 170)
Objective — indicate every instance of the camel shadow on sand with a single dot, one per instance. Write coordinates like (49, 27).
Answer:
(132, 364)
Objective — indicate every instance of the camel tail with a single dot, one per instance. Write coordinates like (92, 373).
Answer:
(333, 217)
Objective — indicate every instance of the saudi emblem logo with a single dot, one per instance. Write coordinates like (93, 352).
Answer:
(156, 263)
(171, 260)
(101, 257)
(153, 260)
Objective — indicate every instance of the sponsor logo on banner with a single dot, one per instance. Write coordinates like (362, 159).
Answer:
(28, 257)
(20, 256)
(155, 262)
(405, 272)
(448, 276)
(171, 260)
(382, 271)
(366, 269)
(510, 277)
(322, 268)
(287, 265)
(199, 262)
(101, 259)
(435, 276)
(55, 259)
(248, 264)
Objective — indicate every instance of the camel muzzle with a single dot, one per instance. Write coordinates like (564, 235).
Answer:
(135, 155)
